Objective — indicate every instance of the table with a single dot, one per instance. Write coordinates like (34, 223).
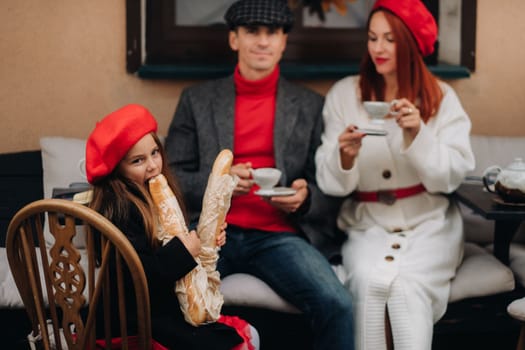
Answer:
(507, 219)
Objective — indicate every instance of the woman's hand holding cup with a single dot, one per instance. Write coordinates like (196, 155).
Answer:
(408, 118)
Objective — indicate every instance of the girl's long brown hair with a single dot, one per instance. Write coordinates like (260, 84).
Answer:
(114, 195)
(415, 82)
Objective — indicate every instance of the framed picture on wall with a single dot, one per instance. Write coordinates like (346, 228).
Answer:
(193, 35)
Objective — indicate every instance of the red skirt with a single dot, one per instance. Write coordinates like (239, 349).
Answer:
(243, 329)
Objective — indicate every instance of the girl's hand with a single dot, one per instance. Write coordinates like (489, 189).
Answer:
(221, 237)
(349, 145)
(243, 171)
(192, 242)
(408, 119)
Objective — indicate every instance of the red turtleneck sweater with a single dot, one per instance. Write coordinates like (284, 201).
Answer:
(253, 135)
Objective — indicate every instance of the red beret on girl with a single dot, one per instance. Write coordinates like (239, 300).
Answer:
(417, 18)
(113, 137)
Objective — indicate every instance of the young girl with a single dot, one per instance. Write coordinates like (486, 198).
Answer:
(122, 154)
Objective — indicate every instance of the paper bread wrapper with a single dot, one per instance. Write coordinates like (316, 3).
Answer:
(198, 292)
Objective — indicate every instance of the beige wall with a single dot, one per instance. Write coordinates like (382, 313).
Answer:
(62, 67)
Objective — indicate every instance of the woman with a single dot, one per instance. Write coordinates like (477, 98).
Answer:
(122, 154)
(404, 232)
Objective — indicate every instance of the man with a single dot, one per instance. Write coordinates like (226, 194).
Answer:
(267, 122)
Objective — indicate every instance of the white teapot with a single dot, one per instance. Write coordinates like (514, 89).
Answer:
(508, 183)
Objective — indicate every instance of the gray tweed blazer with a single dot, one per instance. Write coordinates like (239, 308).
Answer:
(203, 125)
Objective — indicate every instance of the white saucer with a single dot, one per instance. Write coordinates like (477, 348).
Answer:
(276, 191)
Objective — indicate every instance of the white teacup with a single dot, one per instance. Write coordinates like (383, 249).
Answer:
(266, 178)
(378, 110)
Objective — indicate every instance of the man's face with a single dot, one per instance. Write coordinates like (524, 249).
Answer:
(259, 49)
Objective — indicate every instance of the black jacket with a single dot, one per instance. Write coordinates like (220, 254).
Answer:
(164, 266)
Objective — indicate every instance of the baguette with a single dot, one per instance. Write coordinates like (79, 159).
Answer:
(198, 292)
(172, 224)
(216, 200)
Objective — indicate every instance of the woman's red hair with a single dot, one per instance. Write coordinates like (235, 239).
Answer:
(415, 82)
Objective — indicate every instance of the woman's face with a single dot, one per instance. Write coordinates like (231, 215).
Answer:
(142, 162)
(381, 45)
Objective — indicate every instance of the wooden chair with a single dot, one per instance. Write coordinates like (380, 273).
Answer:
(62, 286)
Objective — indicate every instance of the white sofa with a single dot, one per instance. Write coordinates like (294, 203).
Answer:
(480, 273)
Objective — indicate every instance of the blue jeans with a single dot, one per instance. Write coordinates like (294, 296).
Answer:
(299, 273)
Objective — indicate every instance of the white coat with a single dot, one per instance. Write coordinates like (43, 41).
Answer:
(403, 255)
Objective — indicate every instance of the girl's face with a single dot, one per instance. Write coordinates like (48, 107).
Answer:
(381, 44)
(142, 162)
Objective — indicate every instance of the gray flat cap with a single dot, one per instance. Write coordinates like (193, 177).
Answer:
(272, 13)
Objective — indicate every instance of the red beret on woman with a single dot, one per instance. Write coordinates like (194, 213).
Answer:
(417, 18)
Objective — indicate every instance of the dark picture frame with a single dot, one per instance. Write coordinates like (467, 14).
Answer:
(202, 51)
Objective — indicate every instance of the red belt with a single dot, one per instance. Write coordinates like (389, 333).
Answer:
(388, 196)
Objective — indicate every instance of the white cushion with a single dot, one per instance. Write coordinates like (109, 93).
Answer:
(517, 309)
(62, 159)
(242, 289)
(9, 295)
(480, 274)
(516, 260)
